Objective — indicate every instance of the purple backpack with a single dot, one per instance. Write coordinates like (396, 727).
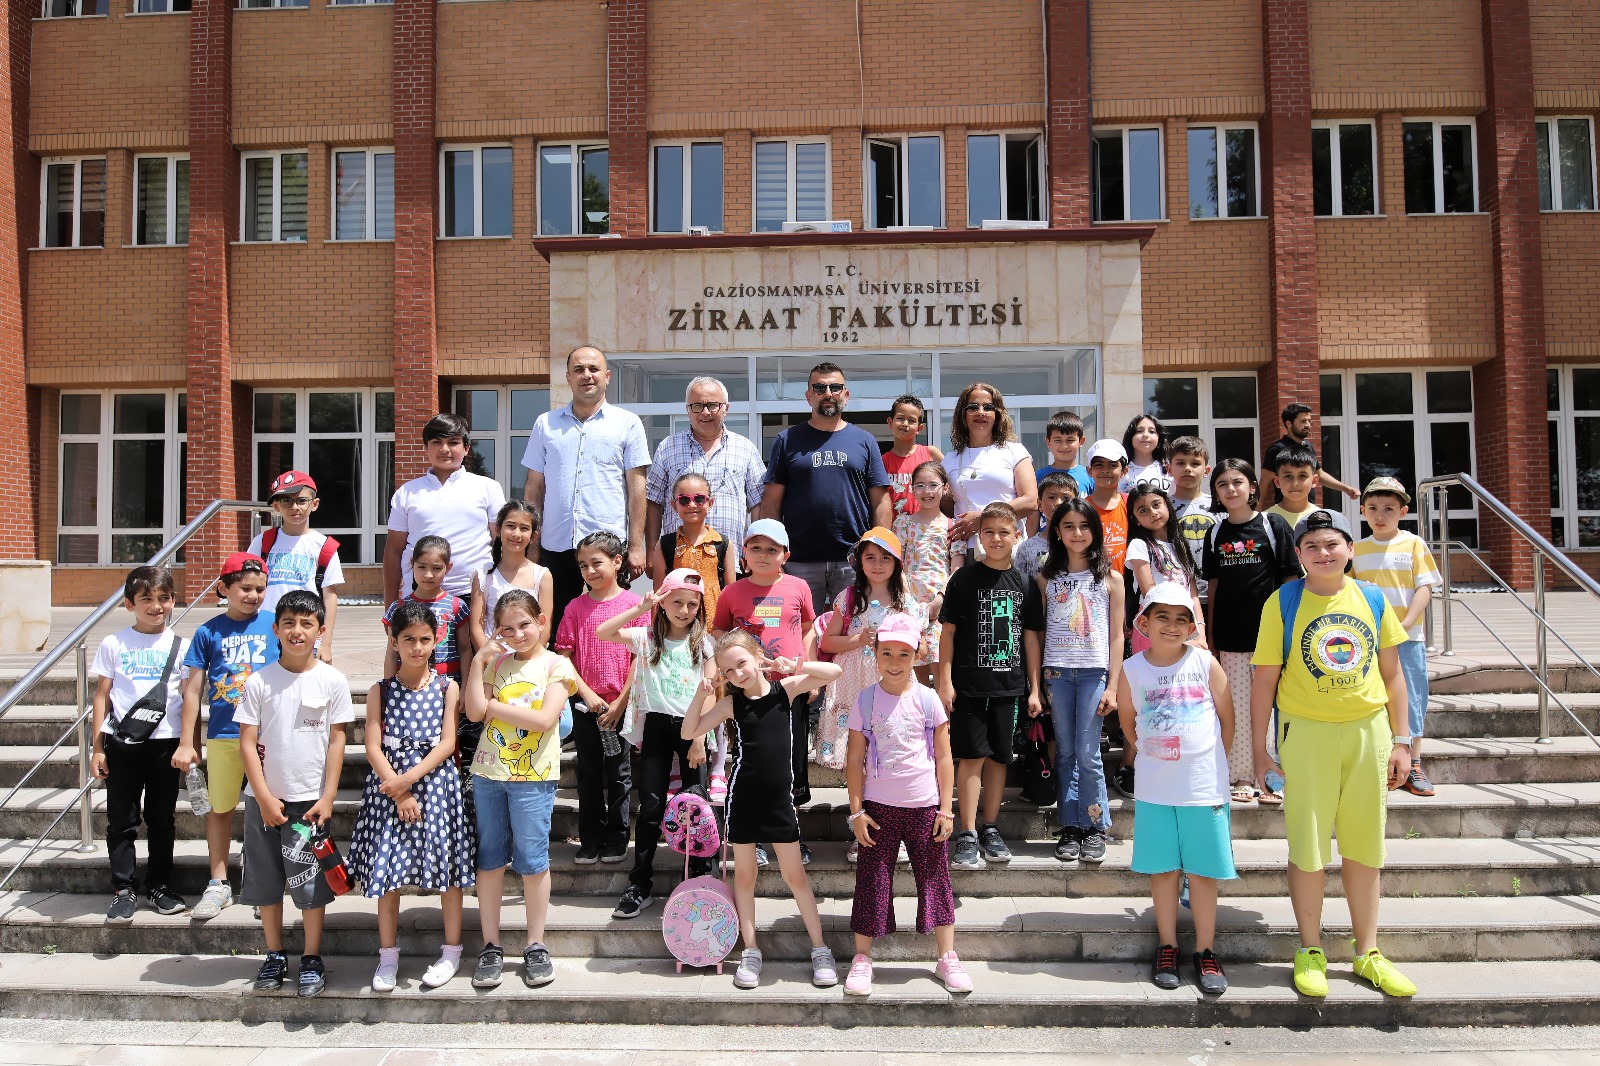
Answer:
(690, 824)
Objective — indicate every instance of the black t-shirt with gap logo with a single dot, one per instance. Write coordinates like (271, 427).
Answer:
(1244, 568)
(990, 609)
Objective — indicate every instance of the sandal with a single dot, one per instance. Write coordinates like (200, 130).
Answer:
(1244, 795)
(1269, 798)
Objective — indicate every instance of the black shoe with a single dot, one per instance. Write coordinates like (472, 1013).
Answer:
(313, 978)
(614, 852)
(761, 855)
(164, 902)
(1164, 970)
(587, 855)
(1094, 846)
(1124, 780)
(1067, 843)
(122, 907)
(964, 851)
(633, 900)
(270, 977)
(805, 854)
(536, 966)
(1209, 972)
(994, 848)
(491, 962)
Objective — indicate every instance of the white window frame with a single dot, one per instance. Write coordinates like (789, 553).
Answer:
(1222, 129)
(789, 178)
(1438, 161)
(1332, 125)
(1552, 146)
(172, 201)
(357, 3)
(76, 162)
(574, 192)
(159, 7)
(688, 146)
(78, 13)
(370, 225)
(477, 189)
(1127, 172)
(105, 439)
(374, 497)
(902, 142)
(1566, 470)
(249, 5)
(1006, 137)
(509, 442)
(276, 155)
(1208, 423)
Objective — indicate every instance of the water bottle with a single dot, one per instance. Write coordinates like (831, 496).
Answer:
(1274, 781)
(876, 613)
(1183, 894)
(610, 742)
(195, 781)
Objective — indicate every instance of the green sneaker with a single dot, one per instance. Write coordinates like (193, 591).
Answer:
(1311, 972)
(1384, 977)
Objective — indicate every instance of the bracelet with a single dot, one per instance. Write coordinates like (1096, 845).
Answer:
(851, 820)
(1403, 740)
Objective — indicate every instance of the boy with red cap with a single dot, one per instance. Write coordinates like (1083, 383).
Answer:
(297, 556)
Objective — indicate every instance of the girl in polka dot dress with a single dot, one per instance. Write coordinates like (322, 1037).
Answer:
(411, 831)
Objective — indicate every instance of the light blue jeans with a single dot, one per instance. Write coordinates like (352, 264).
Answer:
(1080, 776)
(1414, 667)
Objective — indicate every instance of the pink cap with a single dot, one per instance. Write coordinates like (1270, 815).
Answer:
(682, 578)
(900, 629)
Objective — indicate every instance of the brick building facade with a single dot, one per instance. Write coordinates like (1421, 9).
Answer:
(238, 238)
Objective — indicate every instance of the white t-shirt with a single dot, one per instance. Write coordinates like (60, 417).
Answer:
(134, 661)
(459, 510)
(293, 565)
(294, 714)
(981, 476)
(1180, 761)
(1150, 473)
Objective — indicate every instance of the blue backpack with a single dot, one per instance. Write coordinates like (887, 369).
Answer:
(1289, 605)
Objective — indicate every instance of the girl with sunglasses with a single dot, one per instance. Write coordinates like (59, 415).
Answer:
(696, 545)
(986, 464)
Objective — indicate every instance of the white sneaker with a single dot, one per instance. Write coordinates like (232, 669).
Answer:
(217, 896)
(748, 975)
(824, 972)
(441, 972)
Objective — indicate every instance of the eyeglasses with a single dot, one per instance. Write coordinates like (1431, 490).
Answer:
(712, 407)
(699, 499)
(986, 408)
(927, 486)
(822, 388)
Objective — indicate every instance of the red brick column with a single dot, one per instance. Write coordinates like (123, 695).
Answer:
(1286, 201)
(1066, 57)
(214, 468)
(625, 115)
(1509, 390)
(19, 210)
(416, 180)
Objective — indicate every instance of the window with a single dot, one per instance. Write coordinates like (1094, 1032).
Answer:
(71, 9)
(1344, 168)
(161, 199)
(273, 3)
(686, 187)
(343, 438)
(1005, 175)
(791, 183)
(73, 207)
(500, 418)
(1440, 177)
(905, 181)
(159, 7)
(574, 189)
(1406, 424)
(1126, 169)
(475, 184)
(363, 195)
(1220, 409)
(1574, 393)
(354, 3)
(122, 463)
(1223, 172)
(274, 196)
(1568, 183)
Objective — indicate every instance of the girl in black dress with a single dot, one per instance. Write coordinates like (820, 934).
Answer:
(760, 804)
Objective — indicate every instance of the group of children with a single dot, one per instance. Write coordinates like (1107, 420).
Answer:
(928, 666)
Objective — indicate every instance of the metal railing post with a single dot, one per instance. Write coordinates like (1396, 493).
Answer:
(85, 750)
(1444, 575)
(1541, 647)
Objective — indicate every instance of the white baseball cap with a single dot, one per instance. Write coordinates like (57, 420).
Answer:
(1106, 448)
(1168, 592)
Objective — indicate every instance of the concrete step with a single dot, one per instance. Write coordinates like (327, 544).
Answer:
(995, 929)
(1458, 675)
(1507, 714)
(195, 988)
(1429, 868)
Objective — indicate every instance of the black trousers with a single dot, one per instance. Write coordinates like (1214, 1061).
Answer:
(604, 782)
(140, 779)
(663, 740)
(566, 584)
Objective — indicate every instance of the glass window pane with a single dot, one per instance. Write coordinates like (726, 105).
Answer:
(1586, 442)
(78, 548)
(1144, 174)
(334, 412)
(273, 457)
(481, 459)
(1172, 399)
(883, 184)
(1449, 392)
(181, 212)
(1106, 168)
(924, 181)
(519, 448)
(135, 547)
(1555, 467)
(383, 411)
(335, 465)
(150, 219)
(666, 210)
(772, 185)
(292, 200)
(1387, 449)
(1203, 192)
(80, 412)
(810, 182)
(983, 178)
(383, 191)
(1452, 454)
(1333, 450)
(1419, 168)
(80, 483)
(58, 179)
(555, 190)
(526, 406)
(458, 195)
(636, 381)
(1332, 396)
(1383, 394)
(350, 193)
(1233, 397)
(139, 412)
(1541, 151)
(1456, 147)
(1589, 532)
(1014, 373)
(1022, 178)
(1241, 165)
(138, 484)
(1552, 389)
(480, 407)
(275, 414)
(496, 192)
(1586, 389)
(383, 484)
(705, 186)
(1356, 181)
(596, 163)
(1577, 171)
(1322, 171)
(1234, 442)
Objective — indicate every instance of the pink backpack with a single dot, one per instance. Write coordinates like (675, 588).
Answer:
(690, 824)
(700, 922)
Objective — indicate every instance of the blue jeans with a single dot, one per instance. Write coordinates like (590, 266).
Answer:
(514, 824)
(1414, 667)
(1080, 776)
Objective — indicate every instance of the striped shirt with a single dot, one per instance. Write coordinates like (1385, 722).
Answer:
(1398, 566)
(733, 469)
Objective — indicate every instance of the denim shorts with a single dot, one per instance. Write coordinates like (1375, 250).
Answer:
(1414, 667)
(514, 824)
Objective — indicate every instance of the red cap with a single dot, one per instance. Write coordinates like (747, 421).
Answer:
(291, 481)
(239, 562)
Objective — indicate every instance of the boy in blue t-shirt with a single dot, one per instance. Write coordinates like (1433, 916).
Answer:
(225, 651)
(1064, 435)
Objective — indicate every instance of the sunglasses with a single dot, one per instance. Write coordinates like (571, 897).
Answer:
(986, 408)
(699, 499)
(822, 388)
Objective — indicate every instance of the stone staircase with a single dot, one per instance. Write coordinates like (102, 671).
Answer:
(1492, 906)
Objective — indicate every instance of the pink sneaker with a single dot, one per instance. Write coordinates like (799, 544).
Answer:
(950, 972)
(859, 980)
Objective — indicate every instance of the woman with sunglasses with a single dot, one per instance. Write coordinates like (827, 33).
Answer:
(986, 464)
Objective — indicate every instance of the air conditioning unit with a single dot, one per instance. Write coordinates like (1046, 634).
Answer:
(699, 231)
(837, 225)
(1014, 223)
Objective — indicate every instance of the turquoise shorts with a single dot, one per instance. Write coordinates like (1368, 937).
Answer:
(1196, 840)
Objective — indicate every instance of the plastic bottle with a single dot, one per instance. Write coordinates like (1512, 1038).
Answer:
(1183, 894)
(195, 781)
(330, 862)
(876, 613)
(1274, 781)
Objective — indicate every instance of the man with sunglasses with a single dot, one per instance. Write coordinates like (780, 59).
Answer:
(731, 465)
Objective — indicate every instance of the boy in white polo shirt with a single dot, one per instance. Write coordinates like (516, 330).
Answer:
(447, 502)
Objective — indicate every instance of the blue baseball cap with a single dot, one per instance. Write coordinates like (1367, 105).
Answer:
(770, 528)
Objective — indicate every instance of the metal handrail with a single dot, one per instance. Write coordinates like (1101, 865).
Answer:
(1544, 553)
